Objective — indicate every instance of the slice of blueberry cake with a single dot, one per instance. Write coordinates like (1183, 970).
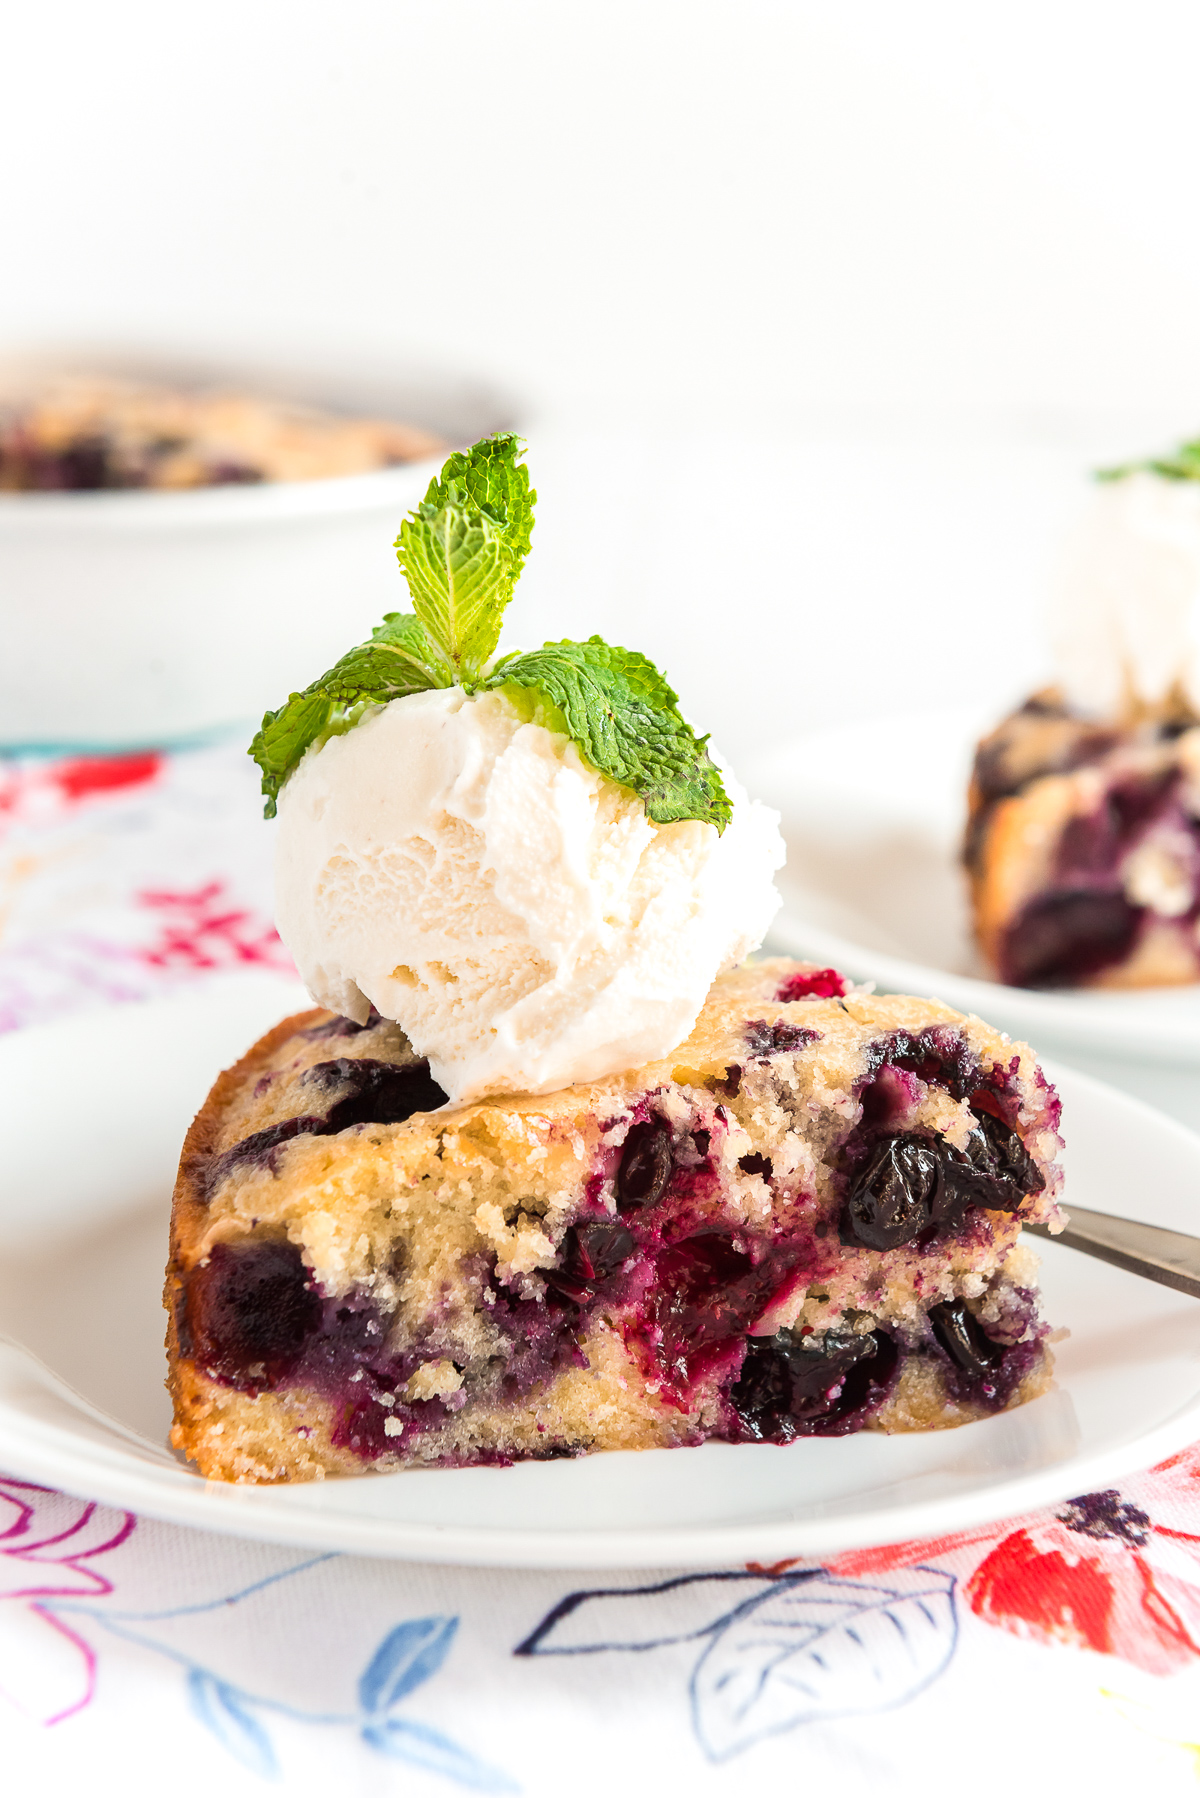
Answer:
(804, 1222)
(1083, 848)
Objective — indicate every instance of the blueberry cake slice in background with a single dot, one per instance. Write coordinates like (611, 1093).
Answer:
(805, 1221)
(1083, 848)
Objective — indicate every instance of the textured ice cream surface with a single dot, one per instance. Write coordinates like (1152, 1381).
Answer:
(1127, 619)
(517, 913)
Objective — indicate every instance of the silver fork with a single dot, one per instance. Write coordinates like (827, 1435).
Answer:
(1169, 1256)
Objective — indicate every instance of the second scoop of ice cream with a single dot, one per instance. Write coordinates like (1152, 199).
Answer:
(517, 913)
(1126, 622)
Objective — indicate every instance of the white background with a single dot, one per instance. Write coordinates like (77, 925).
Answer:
(818, 311)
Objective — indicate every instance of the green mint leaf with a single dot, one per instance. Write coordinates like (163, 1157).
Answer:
(462, 549)
(494, 480)
(398, 659)
(1181, 465)
(454, 563)
(625, 721)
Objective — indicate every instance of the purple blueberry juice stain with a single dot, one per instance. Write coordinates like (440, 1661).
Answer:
(1093, 844)
(820, 983)
(764, 1040)
(1106, 1516)
(939, 1055)
(1052, 1102)
(707, 1291)
(542, 1334)
(888, 1098)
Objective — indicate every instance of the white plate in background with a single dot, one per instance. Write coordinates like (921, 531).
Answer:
(88, 1142)
(873, 814)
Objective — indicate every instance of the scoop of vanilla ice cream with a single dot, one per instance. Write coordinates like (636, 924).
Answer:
(1126, 622)
(515, 912)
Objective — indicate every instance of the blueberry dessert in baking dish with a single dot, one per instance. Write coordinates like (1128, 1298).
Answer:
(74, 433)
(803, 1222)
(553, 1167)
(1083, 837)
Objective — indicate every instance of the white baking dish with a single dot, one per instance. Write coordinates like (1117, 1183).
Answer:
(143, 616)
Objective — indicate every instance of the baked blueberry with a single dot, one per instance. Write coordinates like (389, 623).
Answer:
(646, 1163)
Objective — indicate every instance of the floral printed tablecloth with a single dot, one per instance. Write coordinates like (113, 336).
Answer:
(1056, 1652)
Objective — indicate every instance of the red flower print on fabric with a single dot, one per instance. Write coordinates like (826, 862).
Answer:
(48, 1546)
(89, 774)
(204, 929)
(1108, 1572)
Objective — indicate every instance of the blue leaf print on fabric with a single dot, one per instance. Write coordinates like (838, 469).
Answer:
(244, 1628)
(602, 1620)
(223, 1710)
(404, 1660)
(828, 1648)
(793, 1648)
(421, 1746)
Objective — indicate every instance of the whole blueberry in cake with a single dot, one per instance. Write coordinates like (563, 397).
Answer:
(1083, 838)
(552, 1169)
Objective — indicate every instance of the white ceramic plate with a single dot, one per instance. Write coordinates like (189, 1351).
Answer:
(94, 1112)
(873, 814)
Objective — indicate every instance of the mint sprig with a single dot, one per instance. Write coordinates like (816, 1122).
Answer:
(461, 552)
(625, 721)
(1182, 464)
(495, 481)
